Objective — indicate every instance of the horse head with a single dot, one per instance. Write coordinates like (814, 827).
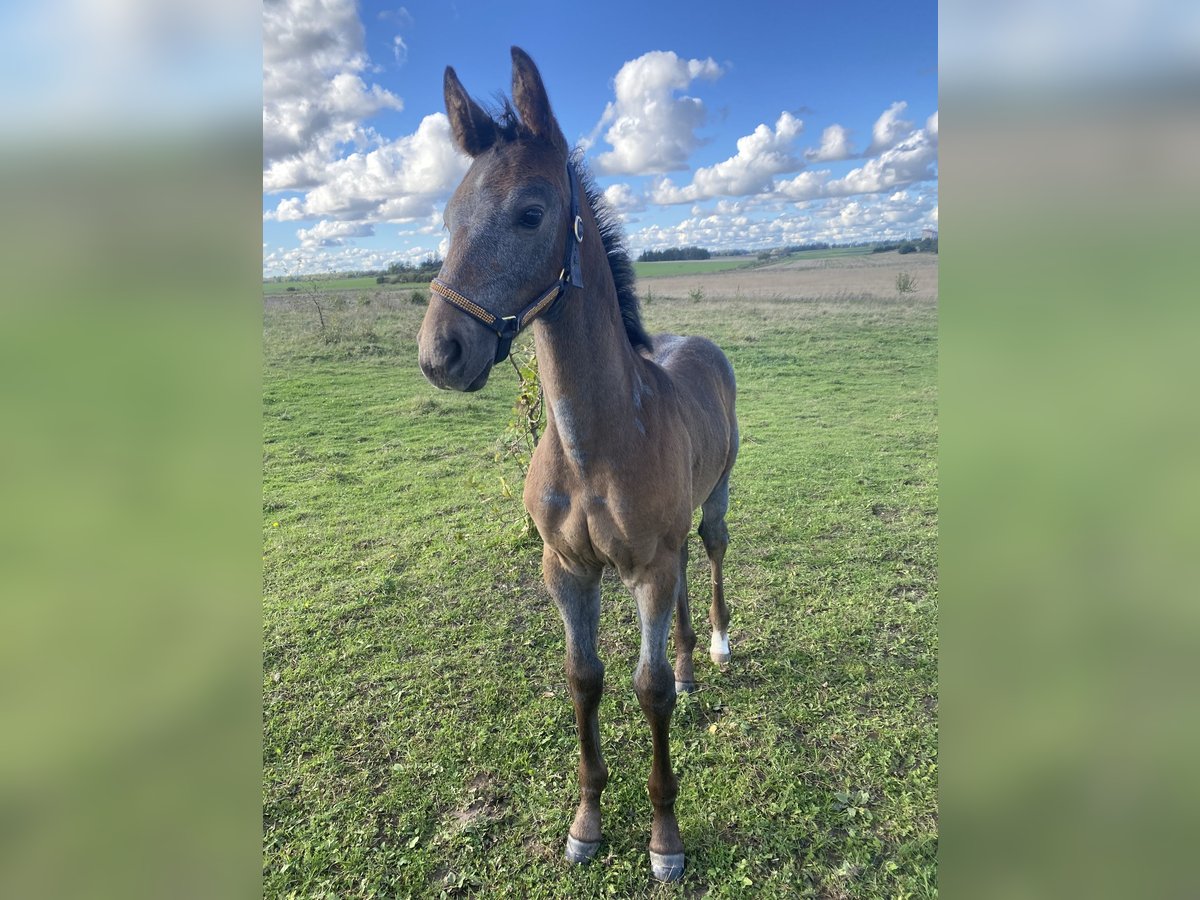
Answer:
(513, 224)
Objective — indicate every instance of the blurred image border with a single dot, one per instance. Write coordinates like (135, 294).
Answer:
(131, 450)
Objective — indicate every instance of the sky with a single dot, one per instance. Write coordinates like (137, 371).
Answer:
(730, 126)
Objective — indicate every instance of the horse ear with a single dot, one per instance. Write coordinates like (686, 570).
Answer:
(474, 130)
(529, 96)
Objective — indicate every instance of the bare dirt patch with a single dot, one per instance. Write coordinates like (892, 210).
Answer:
(887, 513)
(484, 804)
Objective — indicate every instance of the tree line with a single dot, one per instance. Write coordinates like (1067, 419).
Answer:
(674, 254)
(924, 245)
(405, 273)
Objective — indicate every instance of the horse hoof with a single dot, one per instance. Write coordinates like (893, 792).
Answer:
(666, 866)
(686, 687)
(721, 659)
(581, 851)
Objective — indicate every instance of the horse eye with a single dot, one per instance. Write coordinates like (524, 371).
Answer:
(532, 217)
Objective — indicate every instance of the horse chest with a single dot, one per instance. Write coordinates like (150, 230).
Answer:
(594, 525)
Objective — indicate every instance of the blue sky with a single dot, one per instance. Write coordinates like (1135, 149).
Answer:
(740, 125)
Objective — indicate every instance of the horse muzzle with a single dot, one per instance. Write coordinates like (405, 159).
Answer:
(451, 366)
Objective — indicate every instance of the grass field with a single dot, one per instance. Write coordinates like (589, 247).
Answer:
(830, 253)
(705, 266)
(689, 267)
(365, 283)
(418, 735)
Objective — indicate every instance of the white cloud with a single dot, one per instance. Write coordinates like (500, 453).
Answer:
(889, 129)
(760, 156)
(912, 160)
(622, 199)
(835, 145)
(805, 186)
(836, 220)
(402, 180)
(288, 210)
(650, 129)
(876, 201)
(910, 157)
(314, 98)
(308, 261)
(332, 234)
(400, 50)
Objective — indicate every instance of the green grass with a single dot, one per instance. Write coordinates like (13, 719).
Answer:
(365, 283)
(418, 735)
(689, 267)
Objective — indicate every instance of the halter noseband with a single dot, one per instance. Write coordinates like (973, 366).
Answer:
(508, 327)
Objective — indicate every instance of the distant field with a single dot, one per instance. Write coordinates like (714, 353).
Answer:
(809, 276)
(366, 283)
(828, 254)
(704, 266)
(643, 270)
(688, 267)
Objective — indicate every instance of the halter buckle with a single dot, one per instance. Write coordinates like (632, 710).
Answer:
(508, 326)
(579, 229)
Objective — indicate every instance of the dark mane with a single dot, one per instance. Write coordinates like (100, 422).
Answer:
(618, 257)
(510, 128)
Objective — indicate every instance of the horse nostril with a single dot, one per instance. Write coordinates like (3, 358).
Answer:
(451, 351)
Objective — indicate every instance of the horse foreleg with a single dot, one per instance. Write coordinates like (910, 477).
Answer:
(656, 593)
(685, 634)
(577, 596)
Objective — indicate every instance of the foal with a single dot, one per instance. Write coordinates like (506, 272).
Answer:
(638, 433)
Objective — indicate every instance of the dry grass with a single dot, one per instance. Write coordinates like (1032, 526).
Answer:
(871, 275)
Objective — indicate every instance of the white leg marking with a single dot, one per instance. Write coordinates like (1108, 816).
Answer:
(719, 648)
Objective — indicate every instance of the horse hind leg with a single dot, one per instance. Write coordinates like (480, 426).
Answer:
(685, 634)
(716, 538)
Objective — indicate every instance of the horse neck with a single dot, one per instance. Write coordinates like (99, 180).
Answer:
(585, 360)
